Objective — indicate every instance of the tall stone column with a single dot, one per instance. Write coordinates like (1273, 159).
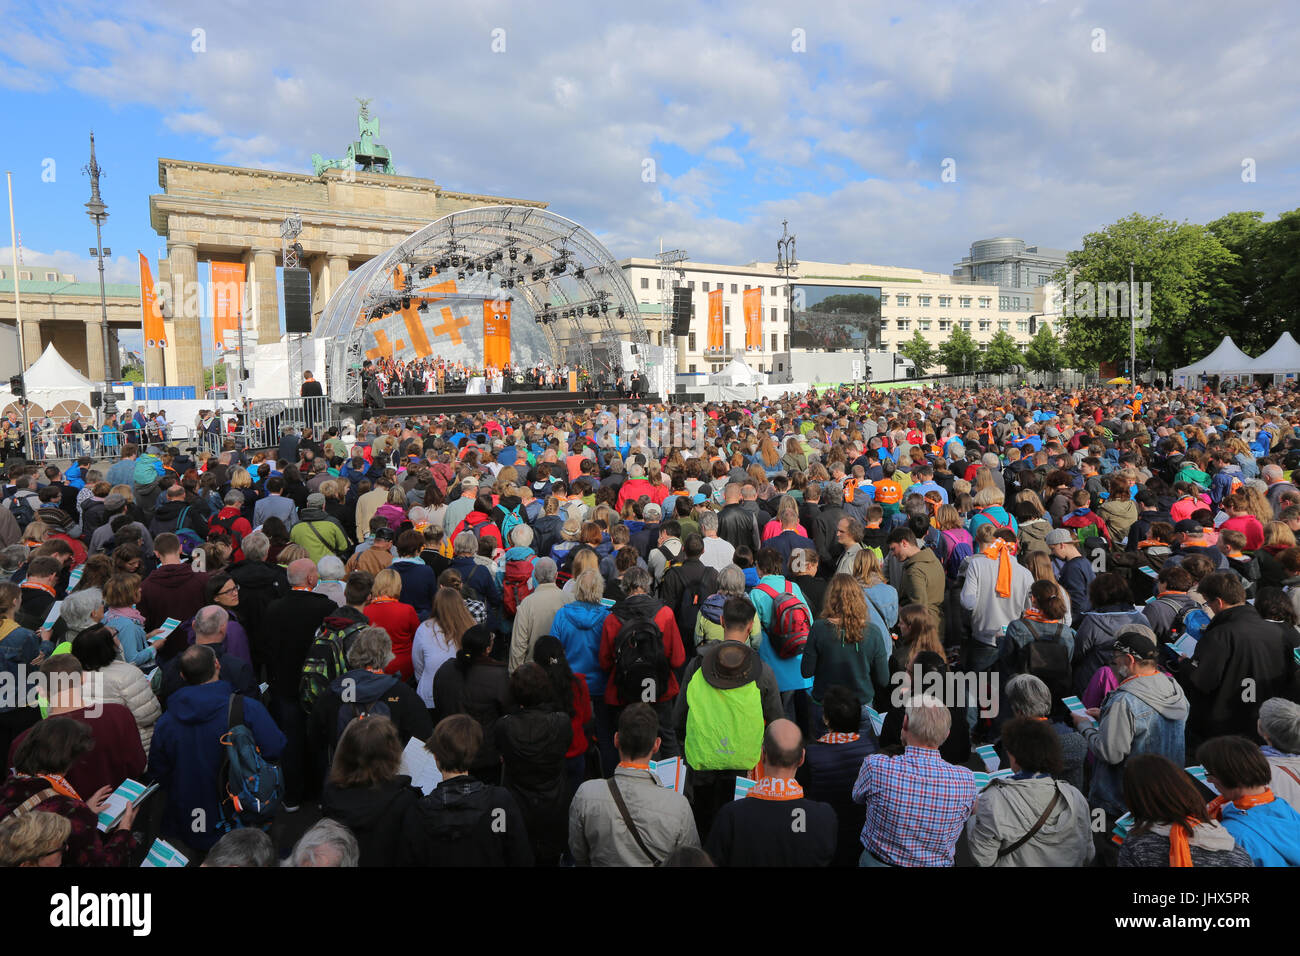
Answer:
(333, 272)
(31, 341)
(188, 346)
(95, 351)
(264, 293)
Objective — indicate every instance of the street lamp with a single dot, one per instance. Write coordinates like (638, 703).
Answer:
(98, 212)
(787, 262)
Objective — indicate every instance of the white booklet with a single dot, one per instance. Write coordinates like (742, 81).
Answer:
(671, 772)
(419, 765)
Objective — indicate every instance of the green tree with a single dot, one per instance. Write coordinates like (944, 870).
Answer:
(210, 380)
(132, 373)
(959, 354)
(919, 351)
(1002, 354)
(1044, 353)
(1175, 260)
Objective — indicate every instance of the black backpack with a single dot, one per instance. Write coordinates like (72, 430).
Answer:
(21, 509)
(361, 709)
(1047, 659)
(640, 665)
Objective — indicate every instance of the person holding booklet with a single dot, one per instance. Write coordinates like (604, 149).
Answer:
(40, 783)
(630, 819)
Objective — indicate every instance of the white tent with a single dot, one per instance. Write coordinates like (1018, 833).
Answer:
(1225, 360)
(1282, 359)
(53, 388)
(736, 372)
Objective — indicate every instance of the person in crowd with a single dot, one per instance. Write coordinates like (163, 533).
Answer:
(326, 843)
(537, 612)
(1279, 728)
(1264, 826)
(831, 764)
(1171, 826)
(845, 648)
(464, 822)
(108, 679)
(775, 824)
(388, 611)
(916, 803)
(478, 684)
(1032, 818)
(630, 819)
(438, 640)
(365, 791)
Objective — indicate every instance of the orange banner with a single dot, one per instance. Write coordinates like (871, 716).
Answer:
(496, 332)
(754, 320)
(151, 317)
(227, 302)
(715, 321)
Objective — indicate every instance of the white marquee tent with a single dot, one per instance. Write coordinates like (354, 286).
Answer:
(1226, 360)
(53, 388)
(1282, 359)
(736, 372)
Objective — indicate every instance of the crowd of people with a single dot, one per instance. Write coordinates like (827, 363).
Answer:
(435, 376)
(929, 627)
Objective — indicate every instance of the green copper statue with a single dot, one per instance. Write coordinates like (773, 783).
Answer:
(365, 152)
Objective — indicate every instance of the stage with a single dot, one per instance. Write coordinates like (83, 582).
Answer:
(537, 403)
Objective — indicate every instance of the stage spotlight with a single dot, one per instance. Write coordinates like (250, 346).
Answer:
(620, 312)
(528, 258)
(406, 302)
(422, 307)
(604, 309)
(461, 275)
(514, 253)
(579, 272)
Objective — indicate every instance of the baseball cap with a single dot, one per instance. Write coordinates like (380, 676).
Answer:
(1189, 526)
(652, 512)
(384, 534)
(1137, 640)
(1060, 536)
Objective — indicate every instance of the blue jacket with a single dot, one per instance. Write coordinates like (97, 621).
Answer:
(577, 626)
(1144, 715)
(186, 756)
(882, 607)
(788, 671)
(1269, 832)
(419, 584)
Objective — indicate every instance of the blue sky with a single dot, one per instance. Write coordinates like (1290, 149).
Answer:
(836, 116)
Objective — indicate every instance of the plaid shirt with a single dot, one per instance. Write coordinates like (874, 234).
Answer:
(917, 805)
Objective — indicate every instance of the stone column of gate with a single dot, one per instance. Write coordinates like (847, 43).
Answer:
(338, 272)
(31, 341)
(186, 305)
(265, 295)
(95, 352)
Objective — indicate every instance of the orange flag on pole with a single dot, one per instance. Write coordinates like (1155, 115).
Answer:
(496, 332)
(715, 321)
(227, 301)
(754, 320)
(151, 317)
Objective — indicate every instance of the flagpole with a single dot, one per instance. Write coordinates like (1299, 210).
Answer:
(144, 343)
(28, 442)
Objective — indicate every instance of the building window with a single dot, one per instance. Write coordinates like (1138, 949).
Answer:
(774, 342)
(690, 342)
(659, 284)
(691, 368)
(1004, 302)
(984, 346)
(726, 314)
(964, 301)
(945, 325)
(1022, 325)
(727, 343)
(965, 325)
(691, 285)
(986, 301)
(773, 313)
(985, 325)
(923, 301)
(24, 276)
(677, 283)
(904, 325)
(645, 282)
(704, 287)
(774, 290)
(884, 298)
(1004, 325)
(903, 298)
(945, 301)
(733, 288)
(51, 277)
(925, 325)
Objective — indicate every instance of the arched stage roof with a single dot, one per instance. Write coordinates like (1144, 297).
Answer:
(425, 296)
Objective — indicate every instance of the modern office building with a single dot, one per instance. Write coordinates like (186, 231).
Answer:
(1009, 264)
(910, 300)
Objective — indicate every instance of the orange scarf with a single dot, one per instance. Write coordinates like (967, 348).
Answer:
(1215, 807)
(1152, 544)
(1180, 848)
(1033, 614)
(837, 738)
(1001, 552)
(776, 788)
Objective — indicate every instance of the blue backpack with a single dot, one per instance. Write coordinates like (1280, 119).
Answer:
(251, 788)
(512, 520)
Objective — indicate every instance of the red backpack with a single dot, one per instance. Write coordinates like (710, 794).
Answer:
(791, 622)
(516, 585)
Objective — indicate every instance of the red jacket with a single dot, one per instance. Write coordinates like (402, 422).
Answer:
(674, 650)
(473, 521)
(634, 488)
(240, 526)
(400, 621)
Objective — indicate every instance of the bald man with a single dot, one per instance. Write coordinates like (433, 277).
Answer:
(774, 824)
